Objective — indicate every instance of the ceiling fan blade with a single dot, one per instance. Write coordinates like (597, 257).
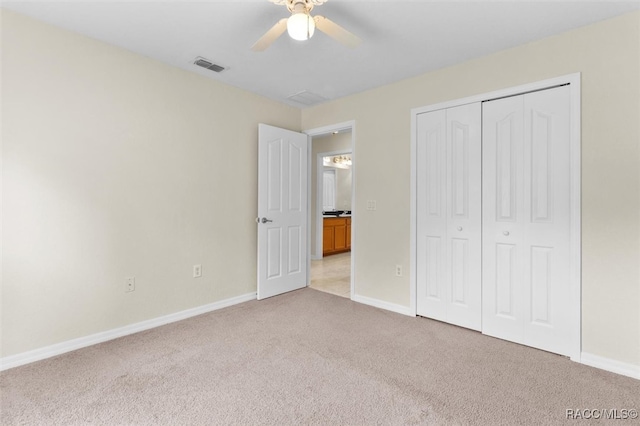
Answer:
(335, 31)
(270, 36)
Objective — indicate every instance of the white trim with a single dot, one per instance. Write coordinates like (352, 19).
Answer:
(575, 192)
(93, 339)
(331, 128)
(413, 217)
(575, 157)
(611, 365)
(323, 131)
(309, 183)
(354, 208)
(377, 303)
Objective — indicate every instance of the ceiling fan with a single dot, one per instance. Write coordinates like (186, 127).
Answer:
(301, 25)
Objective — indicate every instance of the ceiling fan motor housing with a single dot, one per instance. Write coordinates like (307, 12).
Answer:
(298, 6)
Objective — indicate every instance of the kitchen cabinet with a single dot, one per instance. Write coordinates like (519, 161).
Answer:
(336, 235)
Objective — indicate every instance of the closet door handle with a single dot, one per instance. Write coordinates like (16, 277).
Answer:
(505, 233)
(459, 228)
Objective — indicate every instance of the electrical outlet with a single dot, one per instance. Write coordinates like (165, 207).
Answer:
(371, 204)
(197, 271)
(398, 270)
(129, 284)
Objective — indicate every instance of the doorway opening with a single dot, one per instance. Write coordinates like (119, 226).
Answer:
(331, 209)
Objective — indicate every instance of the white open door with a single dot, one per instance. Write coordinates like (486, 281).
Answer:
(282, 211)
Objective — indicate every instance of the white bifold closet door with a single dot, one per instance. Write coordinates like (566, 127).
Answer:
(526, 219)
(449, 215)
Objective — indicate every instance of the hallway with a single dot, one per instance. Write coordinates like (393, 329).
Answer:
(332, 274)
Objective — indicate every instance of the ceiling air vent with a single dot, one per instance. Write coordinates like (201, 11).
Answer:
(201, 62)
(307, 98)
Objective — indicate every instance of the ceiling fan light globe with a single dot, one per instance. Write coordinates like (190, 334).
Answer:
(300, 26)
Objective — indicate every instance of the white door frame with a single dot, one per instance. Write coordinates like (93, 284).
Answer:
(347, 125)
(575, 188)
(319, 188)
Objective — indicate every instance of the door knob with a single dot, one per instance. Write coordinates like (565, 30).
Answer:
(506, 233)
(459, 228)
(265, 220)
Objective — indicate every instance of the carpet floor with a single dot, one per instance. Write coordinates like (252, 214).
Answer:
(308, 357)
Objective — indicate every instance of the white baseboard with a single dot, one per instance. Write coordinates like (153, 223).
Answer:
(82, 342)
(609, 364)
(404, 310)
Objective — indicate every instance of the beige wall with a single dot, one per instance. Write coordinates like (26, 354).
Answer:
(340, 142)
(608, 56)
(112, 167)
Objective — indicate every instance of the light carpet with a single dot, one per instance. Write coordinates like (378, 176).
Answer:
(308, 357)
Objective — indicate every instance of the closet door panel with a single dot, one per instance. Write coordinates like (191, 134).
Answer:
(502, 182)
(547, 219)
(432, 215)
(449, 224)
(464, 198)
(526, 219)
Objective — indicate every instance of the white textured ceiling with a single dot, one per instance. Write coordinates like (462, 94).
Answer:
(400, 38)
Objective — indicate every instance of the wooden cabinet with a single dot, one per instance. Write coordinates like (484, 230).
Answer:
(336, 235)
(328, 233)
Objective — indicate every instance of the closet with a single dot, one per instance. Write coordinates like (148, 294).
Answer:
(493, 217)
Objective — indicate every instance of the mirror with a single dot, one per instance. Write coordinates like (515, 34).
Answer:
(337, 183)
